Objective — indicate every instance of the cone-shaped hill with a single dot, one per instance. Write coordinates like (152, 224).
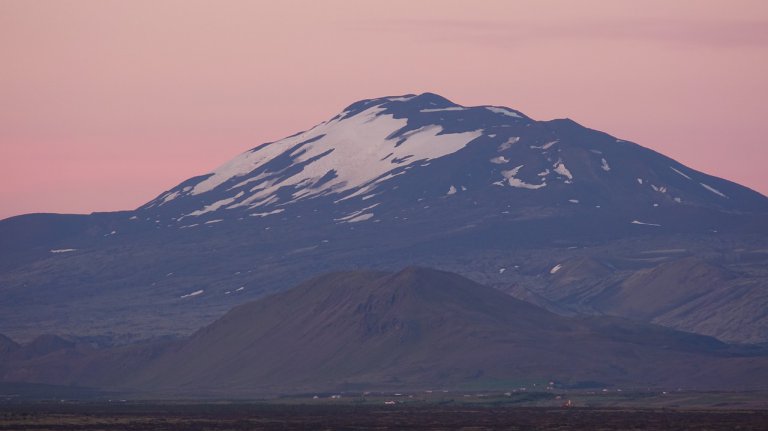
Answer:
(420, 329)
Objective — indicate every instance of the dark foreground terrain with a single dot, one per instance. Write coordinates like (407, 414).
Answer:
(378, 417)
(368, 331)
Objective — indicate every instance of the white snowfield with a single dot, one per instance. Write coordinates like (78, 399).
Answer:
(354, 151)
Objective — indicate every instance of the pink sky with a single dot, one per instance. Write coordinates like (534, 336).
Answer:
(104, 104)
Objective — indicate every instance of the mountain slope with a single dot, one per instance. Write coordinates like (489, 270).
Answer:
(415, 329)
(356, 155)
(389, 182)
(420, 328)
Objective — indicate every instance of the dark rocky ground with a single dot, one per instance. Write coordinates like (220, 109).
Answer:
(415, 329)
(366, 417)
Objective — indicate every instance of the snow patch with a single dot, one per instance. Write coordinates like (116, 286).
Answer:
(562, 170)
(400, 98)
(679, 172)
(450, 108)
(214, 206)
(503, 111)
(63, 250)
(361, 217)
(511, 172)
(556, 268)
(546, 146)
(604, 165)
(509, 143)
(252, 202)
(509, 175)
(451, 191)
(499, 160)
(573, 201)
(714, 190)
(169, 197)
(357, 216)
(195, 293)
(264, 214)
(644, 223)
(214, 221)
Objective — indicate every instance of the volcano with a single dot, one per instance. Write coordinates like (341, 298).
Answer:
(551, 212)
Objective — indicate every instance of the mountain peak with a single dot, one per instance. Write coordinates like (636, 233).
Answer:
(415, 272)
(431, 99)
(409, 102)
(366, 328)
(429, 146)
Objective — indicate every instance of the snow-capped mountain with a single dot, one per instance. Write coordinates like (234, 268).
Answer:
(389, 150)
(485, 191)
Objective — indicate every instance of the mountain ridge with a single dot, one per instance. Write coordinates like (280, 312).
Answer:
(406, 180)
(413, 329)
(420, 120)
